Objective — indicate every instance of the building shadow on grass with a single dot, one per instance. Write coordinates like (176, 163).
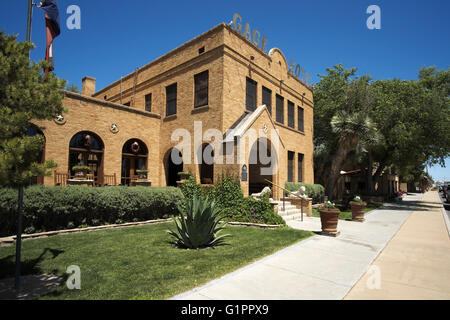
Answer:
(28, 267)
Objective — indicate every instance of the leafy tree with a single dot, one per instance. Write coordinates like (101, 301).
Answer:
(406, 124)
(24, 96)
(73, 88)
(342, 101)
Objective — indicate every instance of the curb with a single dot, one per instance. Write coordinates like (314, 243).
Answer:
(446, 219)
(10, 240)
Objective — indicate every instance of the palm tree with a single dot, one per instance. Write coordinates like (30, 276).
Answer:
(352, 128)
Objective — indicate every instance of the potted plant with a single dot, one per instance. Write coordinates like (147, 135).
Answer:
(142, 173)
(399, 196)
(329, 217)
(358, 207)
(81, 172)
(184, 175)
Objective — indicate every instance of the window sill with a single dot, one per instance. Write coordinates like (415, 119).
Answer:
(170, 118)
(289, 128)
(200, 109)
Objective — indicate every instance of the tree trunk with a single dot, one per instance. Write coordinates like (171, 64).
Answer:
(19, 239)
(370, 185)
(376, 176)
(345, 146)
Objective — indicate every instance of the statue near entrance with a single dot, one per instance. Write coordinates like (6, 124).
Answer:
(258, 196)
(300, 193)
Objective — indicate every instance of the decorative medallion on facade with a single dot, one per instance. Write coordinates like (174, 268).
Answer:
(60, 120)
(114, 128)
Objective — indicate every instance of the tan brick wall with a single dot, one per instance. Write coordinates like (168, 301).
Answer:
(84, 115)
(227, 57)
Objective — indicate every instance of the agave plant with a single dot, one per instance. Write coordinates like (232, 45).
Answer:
(199, 228)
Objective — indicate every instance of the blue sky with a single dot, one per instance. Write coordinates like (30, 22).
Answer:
(116, 37)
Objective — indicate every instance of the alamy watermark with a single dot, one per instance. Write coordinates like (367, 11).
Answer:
(374, 20)
(374, 279)
(74, 279)
(252, 147)
(73, 22)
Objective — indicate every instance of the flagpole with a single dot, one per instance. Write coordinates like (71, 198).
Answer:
(30, 14)
(20, 199)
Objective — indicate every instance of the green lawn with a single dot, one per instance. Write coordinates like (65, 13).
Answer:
(347, 215)
(139, 262)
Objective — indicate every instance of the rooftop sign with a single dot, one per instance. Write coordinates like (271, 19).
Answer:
(256, 38)
(260, 41)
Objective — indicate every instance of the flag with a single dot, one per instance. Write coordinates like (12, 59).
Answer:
(51, 12)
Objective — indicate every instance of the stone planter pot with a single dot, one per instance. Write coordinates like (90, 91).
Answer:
(329, 220)
(358, 212)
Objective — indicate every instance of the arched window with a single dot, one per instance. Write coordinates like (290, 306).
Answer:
(263, 160)
(134, 157)
(86, 148)
(207, 164)
(173, 165)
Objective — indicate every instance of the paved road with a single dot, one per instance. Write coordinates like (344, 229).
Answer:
(445, 204)
(317, 268)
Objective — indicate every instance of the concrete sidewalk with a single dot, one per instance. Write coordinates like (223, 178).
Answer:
(317, 268)
(416, 263)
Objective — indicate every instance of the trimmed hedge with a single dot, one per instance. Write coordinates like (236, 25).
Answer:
(314, 191)
(56, 208)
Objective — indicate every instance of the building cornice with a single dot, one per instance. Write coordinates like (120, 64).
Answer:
(105, 103)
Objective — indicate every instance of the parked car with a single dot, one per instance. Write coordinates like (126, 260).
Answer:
(447, 193)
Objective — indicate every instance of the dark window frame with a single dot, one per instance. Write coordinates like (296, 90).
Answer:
(300, 159)
(279, 108)
(200, 86)
(291, 114)
(250, 95)
(148, 102)
(267, 98)
(290, 166)
(300, 119)
(171, 99)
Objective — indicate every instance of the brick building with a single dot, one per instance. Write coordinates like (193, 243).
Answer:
(218, 87)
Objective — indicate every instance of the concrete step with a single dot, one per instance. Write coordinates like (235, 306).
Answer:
(289, 212)
(286, 207)
(293, 216)
(280, 203)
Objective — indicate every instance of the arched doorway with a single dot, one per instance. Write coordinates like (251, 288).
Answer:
(260, 166)
(206, 168)
(33, 130)
(134, 157)
(173, 164)
(86, 148)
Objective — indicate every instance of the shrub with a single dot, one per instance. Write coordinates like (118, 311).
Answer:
(55, 208)
(357, 201)
(227, 191)
(252, 210)
(200, 226)
(314, 191)
(228, 196)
